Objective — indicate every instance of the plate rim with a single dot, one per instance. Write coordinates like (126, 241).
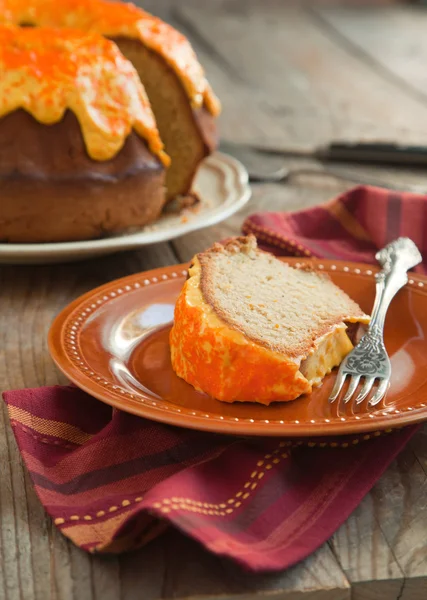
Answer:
(228, 426)
(119, 243)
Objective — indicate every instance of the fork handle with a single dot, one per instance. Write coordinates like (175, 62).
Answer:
(387, 286)
(397, 258)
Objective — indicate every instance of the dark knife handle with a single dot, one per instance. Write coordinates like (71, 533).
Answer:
(374, 153)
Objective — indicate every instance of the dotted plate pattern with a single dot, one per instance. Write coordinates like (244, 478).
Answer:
(77, 319)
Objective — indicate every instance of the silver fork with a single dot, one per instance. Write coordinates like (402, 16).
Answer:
(369, 359)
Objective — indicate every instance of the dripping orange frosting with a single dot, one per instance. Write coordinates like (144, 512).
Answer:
(117, 19)
(47, 71)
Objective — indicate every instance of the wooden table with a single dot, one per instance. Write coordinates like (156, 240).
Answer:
(303, 75)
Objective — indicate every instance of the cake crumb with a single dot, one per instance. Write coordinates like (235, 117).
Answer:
(190, 200)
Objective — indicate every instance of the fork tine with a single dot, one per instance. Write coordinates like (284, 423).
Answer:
(354, 382)
(367, 386)
(339, 382)
(380, 393)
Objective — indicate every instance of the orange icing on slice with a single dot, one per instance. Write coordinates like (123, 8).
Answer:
(115, 19)
(221, 361)
(224, 368)
(46, 71)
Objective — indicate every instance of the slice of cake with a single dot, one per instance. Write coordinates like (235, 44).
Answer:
(248, 327)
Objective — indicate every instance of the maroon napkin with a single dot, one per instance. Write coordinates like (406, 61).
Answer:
(112, 481)
(351, 227)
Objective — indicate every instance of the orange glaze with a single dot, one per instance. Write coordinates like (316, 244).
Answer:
(117, 19)
(46, 71)
(224, 363)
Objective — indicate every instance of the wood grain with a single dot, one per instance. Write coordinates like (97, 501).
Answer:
(284, 75)
(315, 88)
(391, 41)
(401, 510)
(365, 555)
(182, 570)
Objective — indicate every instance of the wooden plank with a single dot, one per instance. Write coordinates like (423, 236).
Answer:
(365, 555)
(401, 511)
(106, 577)
(419, 447)
(311, 88)
(37, 527)
(390, 40)
(176, 567)
(9, 541)
(61, 579)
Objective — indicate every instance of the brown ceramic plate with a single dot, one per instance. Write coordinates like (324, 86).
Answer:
(113, 343)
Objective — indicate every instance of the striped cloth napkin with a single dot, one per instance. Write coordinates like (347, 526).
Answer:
(112, 481)
(351, 227)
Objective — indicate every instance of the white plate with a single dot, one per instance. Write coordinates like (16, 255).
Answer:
(221, 184)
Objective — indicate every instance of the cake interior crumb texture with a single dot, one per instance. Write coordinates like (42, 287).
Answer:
(177, 122)
(283, 308)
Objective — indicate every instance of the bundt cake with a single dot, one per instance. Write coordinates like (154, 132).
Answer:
(80, 154)
(249, 327)
(181, 98)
